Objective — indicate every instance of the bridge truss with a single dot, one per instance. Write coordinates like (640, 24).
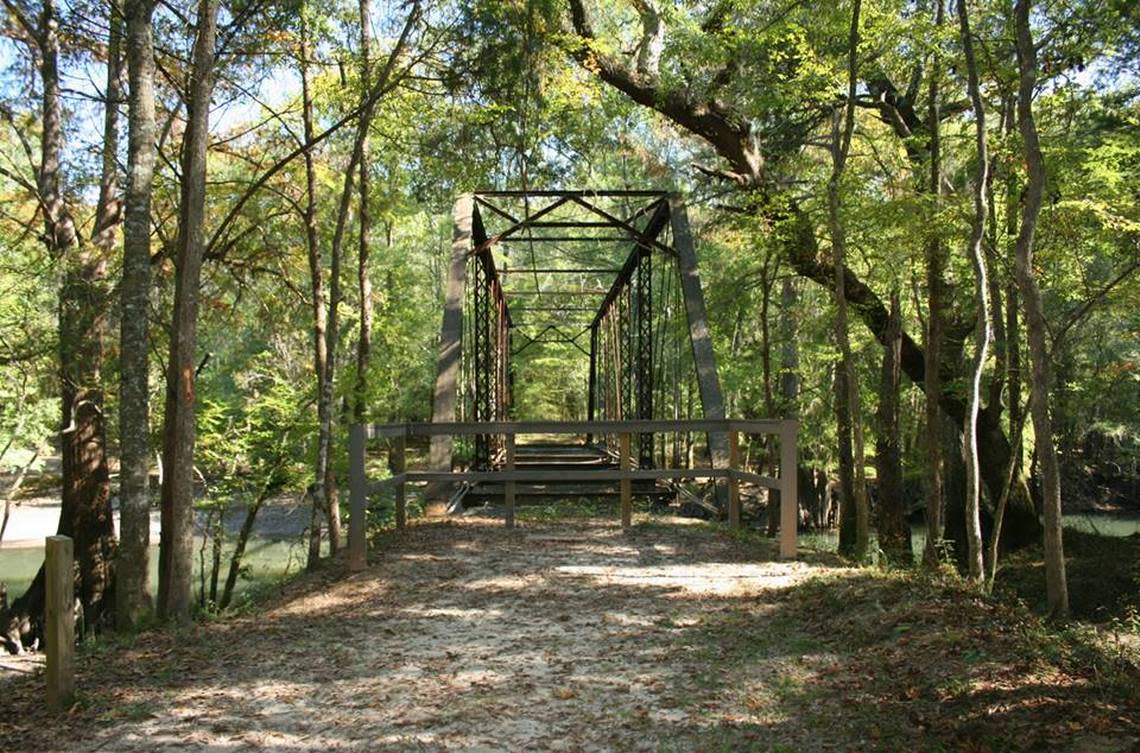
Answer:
(612, 274)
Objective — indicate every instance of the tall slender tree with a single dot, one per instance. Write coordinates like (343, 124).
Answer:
(317, 291)
(984, 328)
(175, 561)
(1057, 591)
(854, 521)
(364, 279)
(935, 272)
(132, 589)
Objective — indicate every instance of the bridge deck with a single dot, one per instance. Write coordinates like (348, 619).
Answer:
(564, 456)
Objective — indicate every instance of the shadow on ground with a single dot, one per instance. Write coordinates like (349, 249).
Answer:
(577, 636)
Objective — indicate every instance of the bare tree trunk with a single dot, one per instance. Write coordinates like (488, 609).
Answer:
(984, 331)
(108, 215)
(854, 513)
(364, 280)
(935, 271)
(175, 560)
(132, 585)
(1057, 592)
(891, 513)
(320, 304)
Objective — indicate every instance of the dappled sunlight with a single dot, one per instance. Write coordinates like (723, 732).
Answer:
(572, 636)
(504, 583)
(466, 615)
(341, 596)
(726, 579)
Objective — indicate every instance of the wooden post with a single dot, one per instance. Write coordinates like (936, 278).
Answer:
(358, 500)
(789, 491)
(626, 484)
(399, 466)
(733, 483)
(59, 618)
(509, 488)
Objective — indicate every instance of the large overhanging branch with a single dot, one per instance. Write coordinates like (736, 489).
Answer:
(719, 126)
(712, 120)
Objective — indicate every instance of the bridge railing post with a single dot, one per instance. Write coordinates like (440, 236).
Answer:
(626, 484)
(358, 499)
(733, 482)
(789, 489)
(398, 463)
(509, 487)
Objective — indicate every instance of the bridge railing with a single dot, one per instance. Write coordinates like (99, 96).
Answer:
(361, 487)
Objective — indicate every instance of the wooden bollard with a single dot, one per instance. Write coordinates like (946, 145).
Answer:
(59, 621)
(509, 487)
(626, 484)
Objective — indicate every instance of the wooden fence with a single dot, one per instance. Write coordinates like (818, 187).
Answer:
(361, 488)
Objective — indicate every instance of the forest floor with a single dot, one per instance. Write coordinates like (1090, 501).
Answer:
(572, 635)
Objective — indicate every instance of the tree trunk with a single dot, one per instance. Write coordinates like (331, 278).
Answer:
(891, 512)
(854, 513)
(132, 585)
(935, 272)
(320, 310)
(85, 509)
(1057, 593)
(239, 548)
(175, 560)
(364, 280)
(984, 331)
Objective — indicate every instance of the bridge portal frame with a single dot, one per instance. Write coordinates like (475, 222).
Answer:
(493, 324)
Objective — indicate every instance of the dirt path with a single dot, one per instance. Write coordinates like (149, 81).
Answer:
(554, 637)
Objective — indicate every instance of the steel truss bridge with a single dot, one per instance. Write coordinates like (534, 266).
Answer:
(612, 274)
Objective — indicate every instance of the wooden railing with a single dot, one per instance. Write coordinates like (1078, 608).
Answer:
(361, 488)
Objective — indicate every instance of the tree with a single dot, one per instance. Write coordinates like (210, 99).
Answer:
(175, 562)
(132, 588)
(1039, 356)
(935, 274)
(85, 511)
(984, 330)
(713, 114)
(854, 514)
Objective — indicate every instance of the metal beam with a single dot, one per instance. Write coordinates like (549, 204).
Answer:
(656, 223)
(616, 193)
(451, 332)
(573, 239)
(562, 270)
(708, 383)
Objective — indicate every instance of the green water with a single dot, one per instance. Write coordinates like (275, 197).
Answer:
(1099, 523)
(266, 560)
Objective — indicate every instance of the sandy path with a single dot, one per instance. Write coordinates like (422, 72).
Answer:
(460, 637)
(577, 636)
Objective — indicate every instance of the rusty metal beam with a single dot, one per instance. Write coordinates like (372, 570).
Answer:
(652, 229)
